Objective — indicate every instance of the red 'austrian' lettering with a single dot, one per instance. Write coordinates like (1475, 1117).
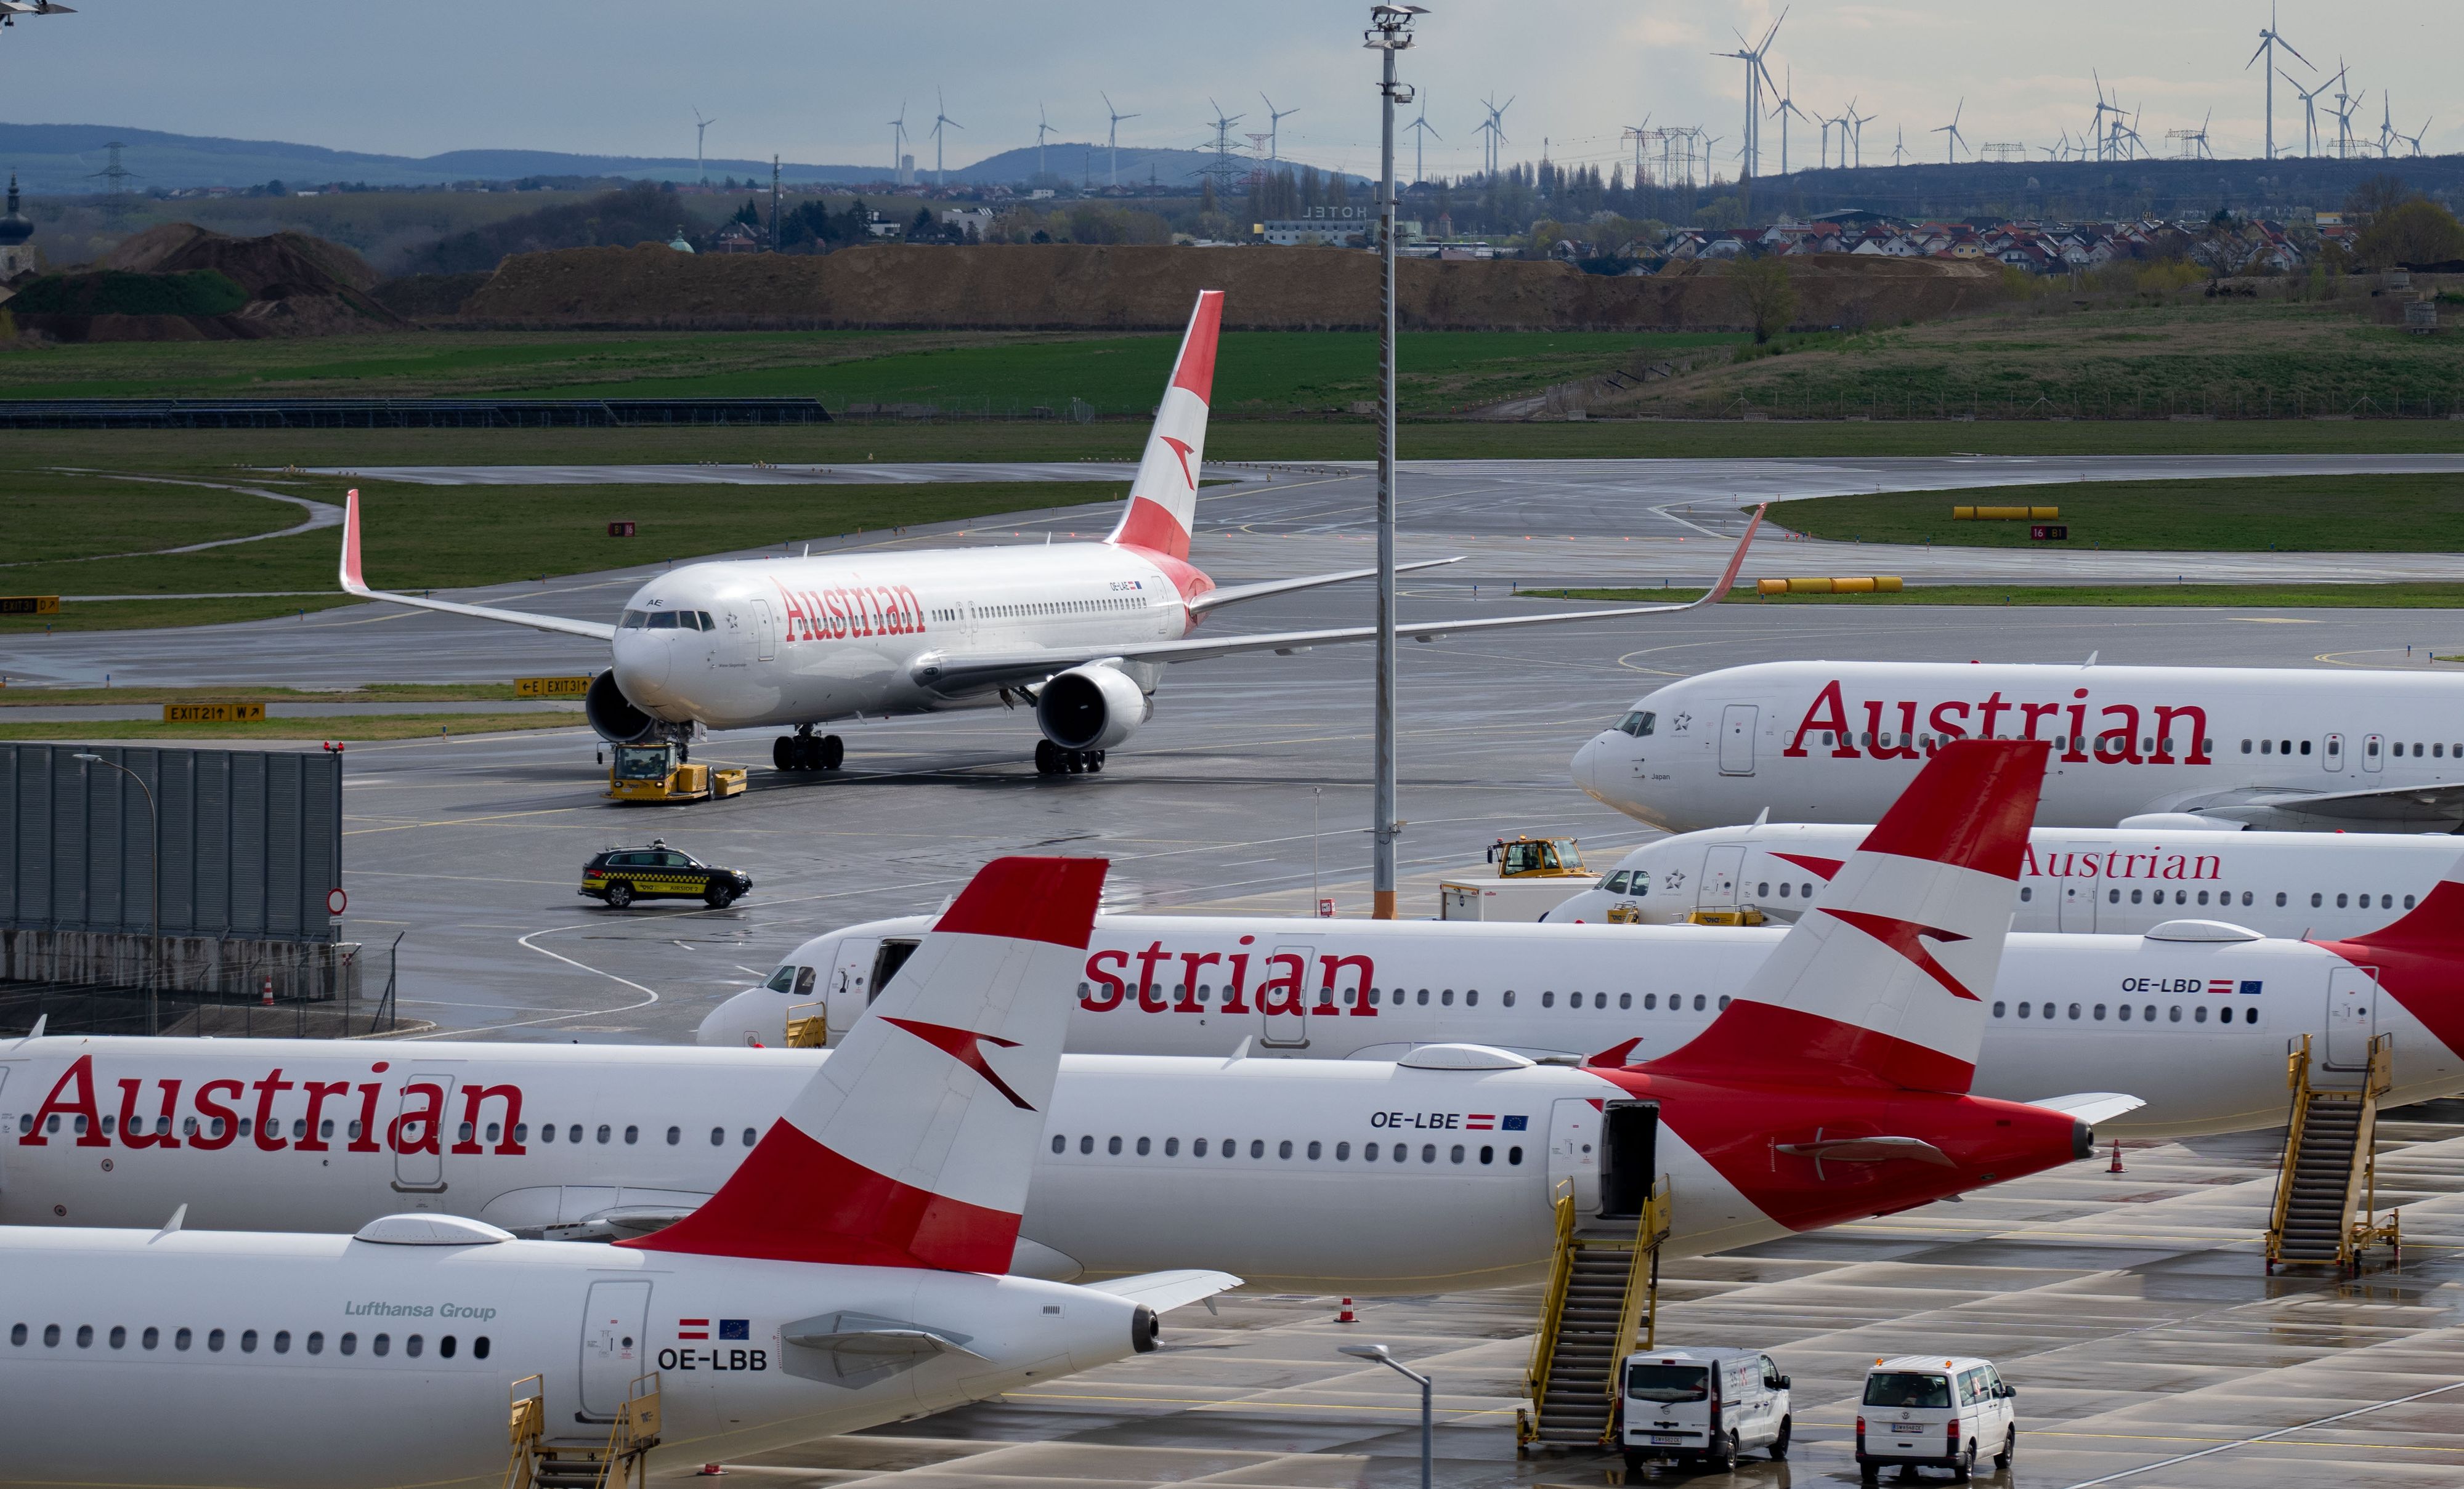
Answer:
(2115, 737)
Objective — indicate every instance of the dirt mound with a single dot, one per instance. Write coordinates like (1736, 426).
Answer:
(428, 297)
(291, 284)
(1085, 287)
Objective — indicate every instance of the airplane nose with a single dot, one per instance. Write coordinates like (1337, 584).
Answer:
(641, 665)
(1585, 767)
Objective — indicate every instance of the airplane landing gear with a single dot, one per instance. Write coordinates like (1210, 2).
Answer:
(805, 751)
(1050, 759)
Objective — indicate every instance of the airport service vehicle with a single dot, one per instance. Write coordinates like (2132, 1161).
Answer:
(1532, 875)
(1079, 631)
(2197, 1012)
(660, 775)
(2132, 879)
(1923, 1408)
(621, 876)
(1436, 1172)
(2330, 749)
(847, 1275)
(1702, 1405)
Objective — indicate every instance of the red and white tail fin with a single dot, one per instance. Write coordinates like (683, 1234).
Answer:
(912, 1146)
(353, 580)
(1163, 500)
(1884, 981)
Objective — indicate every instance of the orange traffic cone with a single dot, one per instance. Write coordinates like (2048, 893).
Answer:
(1346, 1316)
(710, 1471)
(2117, 1157)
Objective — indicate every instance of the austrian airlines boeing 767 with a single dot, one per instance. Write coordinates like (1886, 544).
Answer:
(1834, 1086)
(847, 1275)
(2308, 750)
(1081, 631)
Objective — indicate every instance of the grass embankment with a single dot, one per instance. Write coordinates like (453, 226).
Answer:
(2308, 513)
(373, 692)
(2227, 358)
(1258, 373)
(351, 728)
(2234, 597)
(430, 536)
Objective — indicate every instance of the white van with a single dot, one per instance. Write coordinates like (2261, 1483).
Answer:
(1703, 1406)
(1923, 1408)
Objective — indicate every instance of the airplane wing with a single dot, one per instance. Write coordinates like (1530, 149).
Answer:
(2092, 1107)
(956, 677)
(1233, 595)
(353, 584)
(1165, 1291)
(2380, 804)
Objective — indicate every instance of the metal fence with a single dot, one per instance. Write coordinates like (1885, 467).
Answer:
(264, 991)
(251, 842)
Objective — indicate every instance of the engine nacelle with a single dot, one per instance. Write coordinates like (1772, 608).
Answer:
(1091, 707)
(613, 715)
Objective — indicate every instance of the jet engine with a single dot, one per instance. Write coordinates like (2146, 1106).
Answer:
(1090, 708)
(613, 715)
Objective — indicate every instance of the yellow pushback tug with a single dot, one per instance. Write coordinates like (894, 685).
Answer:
(660, 773)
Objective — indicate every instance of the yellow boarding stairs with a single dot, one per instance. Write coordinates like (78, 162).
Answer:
(2326, 1194)
(1601, 1304)
(809, 1025)
(539, 1461)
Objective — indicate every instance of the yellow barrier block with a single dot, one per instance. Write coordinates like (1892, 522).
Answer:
(1809, 587)
(551, 686)
(1859, 585)
(212, 712)
(2005, 513)
(30, 605)
(1771, 587)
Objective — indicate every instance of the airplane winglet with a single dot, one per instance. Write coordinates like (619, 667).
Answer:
(1617, 1056)
(1736, 561)
(353, 582)
(172, 1227)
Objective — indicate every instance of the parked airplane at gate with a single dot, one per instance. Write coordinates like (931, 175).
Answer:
(1081, 631)
(2303, 750)
(1436, 1172)
(2304, 885)
(2195, 1013)
(844, 1276)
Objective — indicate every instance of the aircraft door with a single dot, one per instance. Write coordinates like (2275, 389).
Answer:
(2352, 1016)
(419, 1131)
(615, 1335)
(1737, 739)
(1629, 1157)
(1722, 867)
(1573, 1152)
(2373, 754)
(2331, 753)
(766, 631)
(735, 637)
(851, 980)
(1283, 998)
(2078, 911)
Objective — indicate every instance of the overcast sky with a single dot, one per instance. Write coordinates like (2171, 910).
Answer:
(818, 81)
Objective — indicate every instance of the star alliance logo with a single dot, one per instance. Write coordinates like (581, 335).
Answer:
(1676, 725)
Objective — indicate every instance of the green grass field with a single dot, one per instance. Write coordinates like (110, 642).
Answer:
(1257, 372)
(348, 728)
(373, 692)
(2235, 597)
(2342, 514)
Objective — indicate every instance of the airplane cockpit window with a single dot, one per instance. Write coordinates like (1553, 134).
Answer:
(1637, 723)
(805, 981)
(634, 619)
(781, 981)
(664, 621)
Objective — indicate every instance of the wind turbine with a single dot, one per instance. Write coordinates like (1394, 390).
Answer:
(2102, 137)
(940, 118)
(1495, 128)
(1042, 128)
(2310, 108)
(2414, 139)
(1899, 143)
(1112, 136)
(1639, 133)
(897, 141)
(2387, 136)
(2199, 137)
(2268, 43)
(1857, 124)
(1420, 128)
(701, 128)
(1951, 145)
(1275, 118)
(2346, 105)
(1782, 109)
(1757, 76)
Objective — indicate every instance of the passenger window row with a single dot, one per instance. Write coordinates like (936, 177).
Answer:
(1059, 608)
(2285, 747)
(2156, 744)
(2123, 1013)
(1396, 998)
(1764, 891)
(1285, 1149)
(414, 1346)
(213, 1128)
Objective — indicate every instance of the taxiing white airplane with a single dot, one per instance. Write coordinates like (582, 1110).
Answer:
(846, 1274)
(2196, 1012)
(1081, 632)
(2303, 885)
(2305, 750)
(1832, 1086)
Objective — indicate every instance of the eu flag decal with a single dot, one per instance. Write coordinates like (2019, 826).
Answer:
(1514, 1124)
(735, 1328)
(2249, 986)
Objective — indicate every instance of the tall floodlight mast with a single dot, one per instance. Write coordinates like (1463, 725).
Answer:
(1389, 35)
(1112, 136)
(2268, 43)
(1275, 118)
(701, 127)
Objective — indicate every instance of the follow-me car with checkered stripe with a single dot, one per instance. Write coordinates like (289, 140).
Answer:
(620, 876)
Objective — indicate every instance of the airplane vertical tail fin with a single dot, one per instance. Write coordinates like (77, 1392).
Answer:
(1884, 980)
(1162, 509)
(912, 1145)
